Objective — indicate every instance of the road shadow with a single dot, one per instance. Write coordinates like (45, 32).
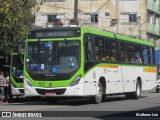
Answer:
(67, 101)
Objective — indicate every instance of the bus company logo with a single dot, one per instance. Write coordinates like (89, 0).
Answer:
(6, 114)
(50, 84)
(21, 114)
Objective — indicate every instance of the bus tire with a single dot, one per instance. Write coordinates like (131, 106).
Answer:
(137, 93)
(52, 100)
(97, 99)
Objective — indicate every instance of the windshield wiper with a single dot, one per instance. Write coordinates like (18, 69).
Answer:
(58, 75)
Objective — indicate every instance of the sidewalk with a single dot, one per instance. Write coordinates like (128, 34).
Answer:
(1, 99)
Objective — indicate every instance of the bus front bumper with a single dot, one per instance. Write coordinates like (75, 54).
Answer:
(76, 90)
(17, 91)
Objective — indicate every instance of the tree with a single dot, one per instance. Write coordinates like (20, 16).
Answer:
(15, 22)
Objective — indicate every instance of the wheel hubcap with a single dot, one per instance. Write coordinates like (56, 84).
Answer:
(99, 95)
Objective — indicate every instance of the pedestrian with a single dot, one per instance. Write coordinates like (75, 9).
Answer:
(2, 79)
(6, 87)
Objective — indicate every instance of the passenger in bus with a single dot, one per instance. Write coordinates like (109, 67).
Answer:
(125, 58)
(97, 53)
(138, 58)
(101, 57)
(107, 58)
(112, 58)
(132, 59)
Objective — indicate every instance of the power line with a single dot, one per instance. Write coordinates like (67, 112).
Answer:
(96, 11)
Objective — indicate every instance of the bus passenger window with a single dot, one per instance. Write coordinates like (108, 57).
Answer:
(137, 54)
(145, 55)
(99, 47)
(151, 56)
(89, 51)
(138, 58)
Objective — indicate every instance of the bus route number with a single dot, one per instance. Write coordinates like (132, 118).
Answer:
(41, 84)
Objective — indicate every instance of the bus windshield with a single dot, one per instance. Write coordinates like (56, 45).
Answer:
(17, 66)
(53, 57)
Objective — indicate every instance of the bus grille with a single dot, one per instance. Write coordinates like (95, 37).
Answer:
(57, 91)
(21, 90)
(49, 78)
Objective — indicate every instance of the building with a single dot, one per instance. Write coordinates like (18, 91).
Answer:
(136, 18)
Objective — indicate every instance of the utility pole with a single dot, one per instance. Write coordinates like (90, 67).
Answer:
(75, 17)
(117, 16)
(139, 26)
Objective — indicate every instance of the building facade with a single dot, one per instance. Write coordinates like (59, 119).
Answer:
(136, 18)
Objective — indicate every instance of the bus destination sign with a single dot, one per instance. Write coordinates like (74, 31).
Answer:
(53, 33)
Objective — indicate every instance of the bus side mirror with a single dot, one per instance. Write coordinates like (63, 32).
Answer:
(158, 78)
(20, 50)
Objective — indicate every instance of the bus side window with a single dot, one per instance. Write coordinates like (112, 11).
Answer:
(151, 56)
(145, 55)
(88, 49)
(121, 56)
(138, 55)
(99, 47)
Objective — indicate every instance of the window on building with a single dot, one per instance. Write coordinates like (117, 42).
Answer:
(156, 1)
(156, 20)
(107, 14)
(149, 18)
(54, 20)
(132, 17)
(94, 18)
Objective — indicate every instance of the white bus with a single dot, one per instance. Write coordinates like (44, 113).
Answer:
(83, 61)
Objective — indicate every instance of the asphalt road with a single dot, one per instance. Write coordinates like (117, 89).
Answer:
(113, 106)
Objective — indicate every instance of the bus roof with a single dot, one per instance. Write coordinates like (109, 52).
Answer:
(117, 36)
(53, 28)
(99, 32)
(86, 29)
(130, 39)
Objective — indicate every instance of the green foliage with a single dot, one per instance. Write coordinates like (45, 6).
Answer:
(15, 21)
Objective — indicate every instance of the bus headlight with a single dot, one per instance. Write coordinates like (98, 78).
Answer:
(76, 80)
(28, 82)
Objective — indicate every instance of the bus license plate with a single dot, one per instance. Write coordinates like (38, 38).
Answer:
(50, 94)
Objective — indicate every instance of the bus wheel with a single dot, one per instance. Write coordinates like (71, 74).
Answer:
(52, 100)
(98, 98)
(137, 93)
